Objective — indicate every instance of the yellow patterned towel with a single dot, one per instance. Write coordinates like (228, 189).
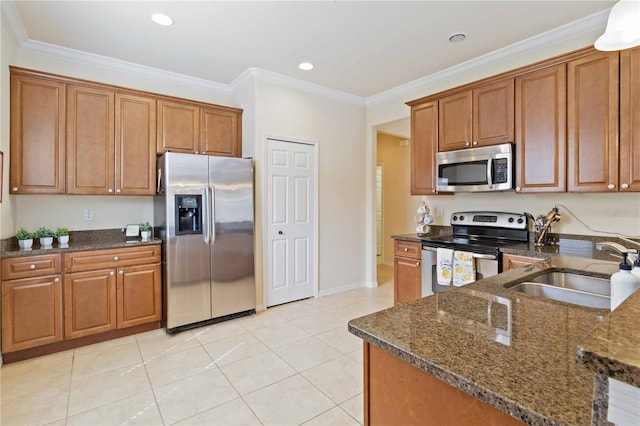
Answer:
(443, 261)
(464, 268)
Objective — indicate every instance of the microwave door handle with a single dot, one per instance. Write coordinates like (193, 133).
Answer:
(490, 173)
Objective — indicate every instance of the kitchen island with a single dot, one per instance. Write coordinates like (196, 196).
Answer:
(513, 352)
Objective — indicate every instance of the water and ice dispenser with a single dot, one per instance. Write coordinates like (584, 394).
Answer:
(188, 214)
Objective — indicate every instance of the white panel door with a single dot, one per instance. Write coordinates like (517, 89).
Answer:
(291, 198)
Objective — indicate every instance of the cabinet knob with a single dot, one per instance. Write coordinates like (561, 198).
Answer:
(15, 188)
(116, 258)
(406, 249)
(611, 186)
(121, 272)
(417, 263)
(624, 186)
(467, 144)
(109, 190)
(118, 190)
(32, 266)
(57, 280)
(111, 273)
(475, 143)
(518, 189)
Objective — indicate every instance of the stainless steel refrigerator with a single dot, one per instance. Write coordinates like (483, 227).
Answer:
(203, 212)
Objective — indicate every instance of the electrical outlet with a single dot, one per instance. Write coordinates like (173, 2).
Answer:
(88, 214)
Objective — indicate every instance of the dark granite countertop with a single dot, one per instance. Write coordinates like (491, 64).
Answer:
(520, 358)
(78, 241)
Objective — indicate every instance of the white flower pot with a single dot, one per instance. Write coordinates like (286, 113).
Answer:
(25, 244)
(63, 240)
(46, 242)
(146, 235)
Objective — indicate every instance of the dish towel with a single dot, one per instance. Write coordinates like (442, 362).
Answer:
(444, 260)
(464, 268)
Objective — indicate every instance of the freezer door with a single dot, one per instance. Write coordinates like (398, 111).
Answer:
(188, 272)
(232, 268)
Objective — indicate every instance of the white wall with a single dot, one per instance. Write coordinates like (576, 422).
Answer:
(338, 129)
(7, 55)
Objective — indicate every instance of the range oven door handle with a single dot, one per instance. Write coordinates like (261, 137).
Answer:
(429, 249)
(484, 256)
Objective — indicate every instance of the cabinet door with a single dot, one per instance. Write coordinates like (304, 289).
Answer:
(31, 313)
(541, 109)
(407, 280)
(37, 136)
(511, 261)
(630, 119)
(139, 295)
(592, 123)
(221, 132)
(90, 135)
(178, 127)
(493, 113)
(89, 303)
(135, 145)
(424, 144)
(455, 123)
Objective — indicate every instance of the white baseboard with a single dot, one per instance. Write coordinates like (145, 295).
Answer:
(342, 288)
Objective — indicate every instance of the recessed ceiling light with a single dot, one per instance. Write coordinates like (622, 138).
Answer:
(161, 19)
(306, 66)
(457, 37)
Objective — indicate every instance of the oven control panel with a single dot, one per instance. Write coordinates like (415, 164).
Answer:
(490, 219)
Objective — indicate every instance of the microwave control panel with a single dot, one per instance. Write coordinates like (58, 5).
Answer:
(501, 170)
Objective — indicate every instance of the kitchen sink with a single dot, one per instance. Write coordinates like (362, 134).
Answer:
(563, 294)
(574, 281)
(583, 290)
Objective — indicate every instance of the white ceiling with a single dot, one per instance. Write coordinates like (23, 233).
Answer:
(359, 47)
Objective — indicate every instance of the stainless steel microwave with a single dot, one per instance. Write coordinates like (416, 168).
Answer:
(482, 169)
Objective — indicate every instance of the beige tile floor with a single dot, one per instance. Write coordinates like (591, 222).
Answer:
(289, 365)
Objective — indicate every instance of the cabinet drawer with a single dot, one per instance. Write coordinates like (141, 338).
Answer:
(112, 258)
(31, 266)
(408, 249)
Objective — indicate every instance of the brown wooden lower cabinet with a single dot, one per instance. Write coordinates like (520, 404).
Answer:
(99, 295)
(397, 393)
(31, 312)
(407, 272)
(89, 303)
(512, 261)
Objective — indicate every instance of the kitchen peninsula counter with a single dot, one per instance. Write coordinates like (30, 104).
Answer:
(512, 351)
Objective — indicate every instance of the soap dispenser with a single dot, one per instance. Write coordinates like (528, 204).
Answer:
(636, 265)
(623, 283)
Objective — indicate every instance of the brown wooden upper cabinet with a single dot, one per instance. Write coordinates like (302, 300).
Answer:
(541, 111)
(424, 144)
(199, 129)
(630, 120)
(37, 163)
(109, 142)
(592, 123)
(479, 117)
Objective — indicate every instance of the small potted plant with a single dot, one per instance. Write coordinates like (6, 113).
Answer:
(46, 236)
(145, 231)
(62, 234)
(25, 239)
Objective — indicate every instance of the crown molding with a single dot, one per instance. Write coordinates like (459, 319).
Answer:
(575, 29)
(11, 18)
(77, 56)
(264, 76)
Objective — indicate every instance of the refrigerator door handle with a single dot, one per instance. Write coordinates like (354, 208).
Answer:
(213, 214)
(205, 214)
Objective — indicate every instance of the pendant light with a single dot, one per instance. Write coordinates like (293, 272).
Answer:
(623, 27)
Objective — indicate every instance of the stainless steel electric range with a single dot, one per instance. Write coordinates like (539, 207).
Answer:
(481, 233)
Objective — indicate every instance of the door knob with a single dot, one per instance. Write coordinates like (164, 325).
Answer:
(280, 232)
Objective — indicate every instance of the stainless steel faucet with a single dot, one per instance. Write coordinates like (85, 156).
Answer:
(618, 248)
